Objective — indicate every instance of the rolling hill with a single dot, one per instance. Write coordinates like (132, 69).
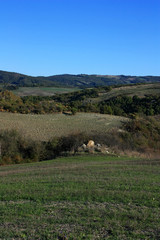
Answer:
(68, 80)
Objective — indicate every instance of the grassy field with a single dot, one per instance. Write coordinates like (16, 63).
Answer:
(82, 197)
(42, 91)
(43, 127)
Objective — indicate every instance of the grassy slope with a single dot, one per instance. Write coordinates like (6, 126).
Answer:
(42, 91)
(139, 90)
(87, 197)
(43, 127)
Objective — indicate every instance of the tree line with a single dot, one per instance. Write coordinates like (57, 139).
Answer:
(81, 101)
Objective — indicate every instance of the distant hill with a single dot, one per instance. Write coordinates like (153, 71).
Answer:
(68, 80)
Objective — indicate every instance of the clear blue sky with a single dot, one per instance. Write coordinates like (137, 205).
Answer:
(48, 37)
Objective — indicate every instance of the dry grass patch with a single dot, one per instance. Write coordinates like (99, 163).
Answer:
(42, 91)
(43, 127)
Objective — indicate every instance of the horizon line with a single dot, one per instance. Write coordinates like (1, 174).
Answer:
(94, 74)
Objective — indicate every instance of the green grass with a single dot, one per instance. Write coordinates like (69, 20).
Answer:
(43, 127)
(82, 197)
(42, 91)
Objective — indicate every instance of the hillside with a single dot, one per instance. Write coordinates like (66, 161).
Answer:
(68, 80)
(43, 127)
(138, 90)
(123, 100)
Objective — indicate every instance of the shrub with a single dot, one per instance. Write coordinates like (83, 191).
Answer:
(16, 149)
(71, 142)
(142, 133)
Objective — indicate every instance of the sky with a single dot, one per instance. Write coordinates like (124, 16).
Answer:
(108, 37)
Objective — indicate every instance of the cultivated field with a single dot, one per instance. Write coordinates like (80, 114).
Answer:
(42, 91)
(43, 127)
(89, 197)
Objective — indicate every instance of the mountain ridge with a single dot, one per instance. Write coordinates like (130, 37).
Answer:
(72, 80)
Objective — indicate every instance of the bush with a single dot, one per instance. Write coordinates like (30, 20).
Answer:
(16, 149)
(71, 142)
(142, 133)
